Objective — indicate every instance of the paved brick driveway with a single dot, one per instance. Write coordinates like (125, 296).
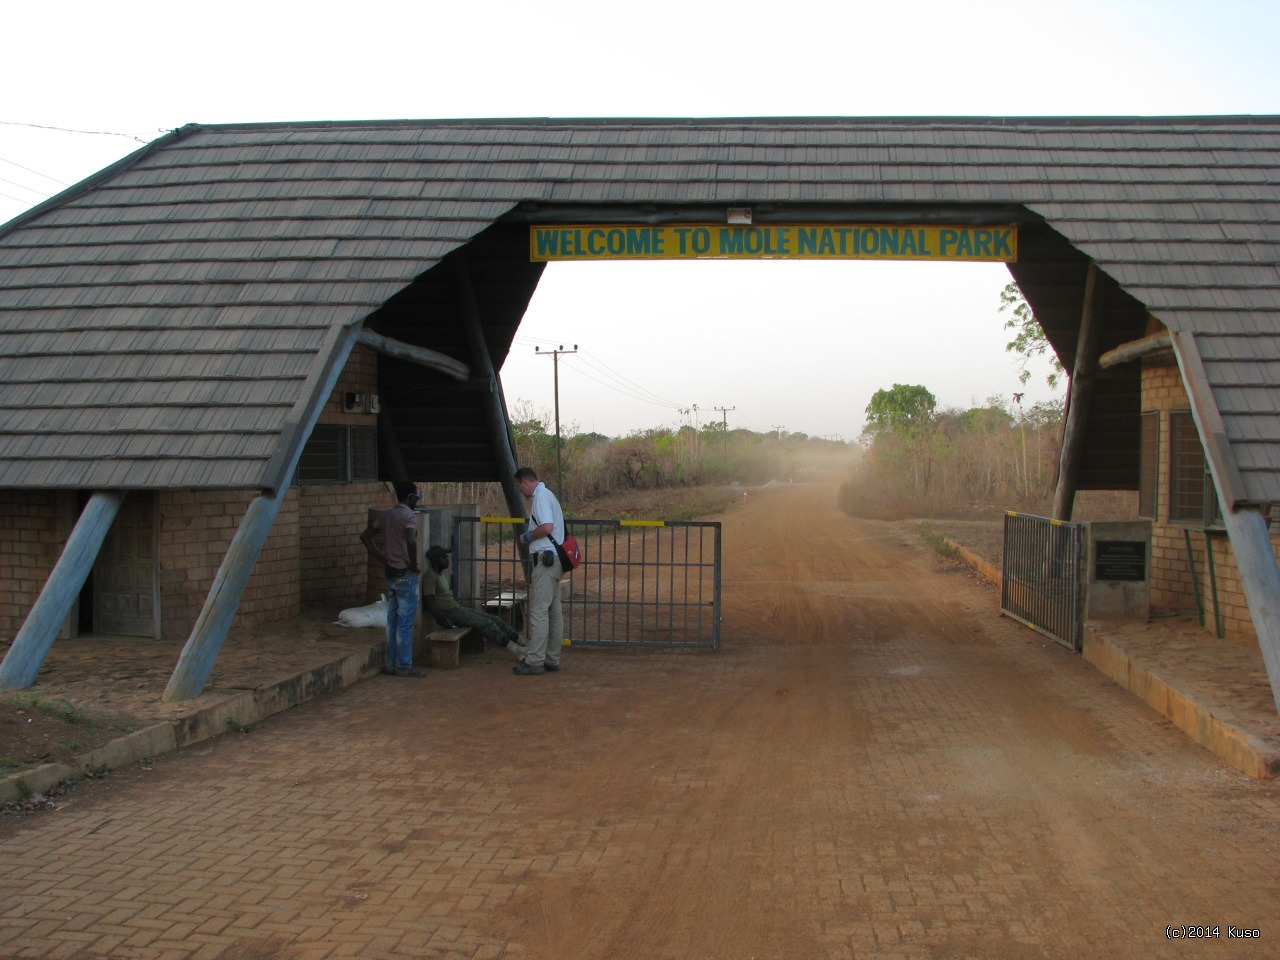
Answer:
(876, 765)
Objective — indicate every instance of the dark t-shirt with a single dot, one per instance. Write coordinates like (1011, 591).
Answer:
(397, 525)
(435, 586)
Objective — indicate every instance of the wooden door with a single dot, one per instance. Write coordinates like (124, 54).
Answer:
(126, 582)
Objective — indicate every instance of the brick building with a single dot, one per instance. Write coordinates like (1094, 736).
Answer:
(191, 341)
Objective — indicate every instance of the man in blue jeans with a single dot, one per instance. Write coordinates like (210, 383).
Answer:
(399, 529)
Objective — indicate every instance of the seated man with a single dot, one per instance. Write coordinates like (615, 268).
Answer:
(437, 600)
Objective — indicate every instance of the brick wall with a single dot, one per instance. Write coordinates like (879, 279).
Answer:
(1172, 588)
(195, 531)
(334, 561)
(360, 375)
(332, 515)
(34, 526)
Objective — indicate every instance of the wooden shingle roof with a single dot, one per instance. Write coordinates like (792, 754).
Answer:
(165, 323)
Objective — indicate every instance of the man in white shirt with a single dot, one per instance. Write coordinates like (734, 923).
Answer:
(546, 624)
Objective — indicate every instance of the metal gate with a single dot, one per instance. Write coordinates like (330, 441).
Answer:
(642, 583)
(1040, 582)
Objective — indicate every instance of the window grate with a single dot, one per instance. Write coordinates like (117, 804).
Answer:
(339, 454)
(1149, 466)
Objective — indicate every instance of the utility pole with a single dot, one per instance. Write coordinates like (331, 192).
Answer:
(724, 425)
(555, 365)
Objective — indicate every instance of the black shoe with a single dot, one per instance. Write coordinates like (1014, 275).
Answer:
(528, 670)
(409, 673)
(550, 667)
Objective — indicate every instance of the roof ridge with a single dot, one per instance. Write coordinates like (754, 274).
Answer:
(983, 121)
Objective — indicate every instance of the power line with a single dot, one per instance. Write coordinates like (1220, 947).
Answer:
(596, 361)
(94, 133)
(36, 172)
(23, 186)
(628, 388)
(625, 393)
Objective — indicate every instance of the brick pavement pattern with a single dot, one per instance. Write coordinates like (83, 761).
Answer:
(875, 765)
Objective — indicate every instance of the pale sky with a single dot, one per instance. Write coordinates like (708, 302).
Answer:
(800, 346)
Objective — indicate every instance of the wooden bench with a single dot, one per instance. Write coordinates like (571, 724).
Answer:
(509, 606)
(442, 646)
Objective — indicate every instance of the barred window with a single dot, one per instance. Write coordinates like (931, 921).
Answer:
(1149, 465)
(1193, 498)
(339, 454)
(364, 453)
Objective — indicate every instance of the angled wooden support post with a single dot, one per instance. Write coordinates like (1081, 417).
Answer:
(1082, 377)
(1260, 577)
(389, 448)
(198, 656)
(1246, 527)
(31, 645)
(495, 407)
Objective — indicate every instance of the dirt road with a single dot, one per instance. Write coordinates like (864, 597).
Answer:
(875, 765)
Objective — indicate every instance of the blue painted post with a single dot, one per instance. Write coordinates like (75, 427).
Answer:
(31, 645)
(1260, 578)
(198, 656)
(196, 662)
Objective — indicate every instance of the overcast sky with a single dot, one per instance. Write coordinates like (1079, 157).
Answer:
(801, 346)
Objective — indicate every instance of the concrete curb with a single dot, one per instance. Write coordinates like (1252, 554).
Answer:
(1212, 726)
(235, 710)
(987, 570)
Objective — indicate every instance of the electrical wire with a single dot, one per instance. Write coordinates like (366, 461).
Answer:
(623, 385)
(602, 367)
(624, 392)
(23, 186)
(95, 133)
(36, 172)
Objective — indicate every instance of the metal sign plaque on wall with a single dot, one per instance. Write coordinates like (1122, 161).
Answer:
(846, 241)
(1120, 560)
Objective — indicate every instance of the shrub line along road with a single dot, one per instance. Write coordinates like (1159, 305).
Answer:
(874, 765)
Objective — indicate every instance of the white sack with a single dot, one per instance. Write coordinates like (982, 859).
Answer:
(370, 615)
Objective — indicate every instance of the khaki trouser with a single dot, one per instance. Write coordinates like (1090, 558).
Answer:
(546, 625)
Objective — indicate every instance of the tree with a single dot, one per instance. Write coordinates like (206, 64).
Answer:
(900, 423)
(1029, 340)
(905, 408)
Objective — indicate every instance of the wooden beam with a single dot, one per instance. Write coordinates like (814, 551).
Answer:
(1136, 349)
(1247, 527)
(500, 437)
(423, 357)
(1255, 557)
(1209, 423)
(31, 645)
(196, 662)
(211, 627)
(1082, 378)
(389, 448)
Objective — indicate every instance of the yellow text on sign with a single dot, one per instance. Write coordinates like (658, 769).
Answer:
(849, 241)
